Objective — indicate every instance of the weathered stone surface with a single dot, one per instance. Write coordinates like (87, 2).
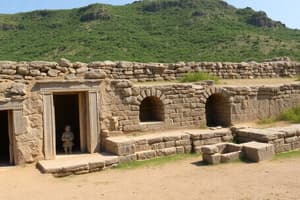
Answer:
(53, 73)
(17, 89)
(212, 159)
(95, 74)
(232, 156)
(209, 149)
(256, 152)
(65, 63)
(143, 155)
(166, 151)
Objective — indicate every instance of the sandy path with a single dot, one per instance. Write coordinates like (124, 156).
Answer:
(178, 180)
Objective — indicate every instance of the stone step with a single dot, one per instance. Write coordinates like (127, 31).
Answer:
(65, 165)
(180, 141)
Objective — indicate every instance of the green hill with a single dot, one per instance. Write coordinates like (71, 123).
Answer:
(147, 31)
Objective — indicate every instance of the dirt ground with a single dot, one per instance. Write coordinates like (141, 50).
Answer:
(184, 179)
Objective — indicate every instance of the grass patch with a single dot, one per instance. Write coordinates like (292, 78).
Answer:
(199, 76)
(291, 115)
(285, 155)
(156, 161)
(267, 121)
(297, 78)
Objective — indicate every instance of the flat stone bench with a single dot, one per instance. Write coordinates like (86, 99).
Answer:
(77, 164)
(283, 138)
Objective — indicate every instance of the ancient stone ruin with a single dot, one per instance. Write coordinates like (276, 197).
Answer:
(110, 108)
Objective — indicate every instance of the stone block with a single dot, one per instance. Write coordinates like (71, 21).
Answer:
(166, 152)
(129, 158)
(198, 149)
(159, 145)
(283, 148)
(209, 149)
(143, 155)
(255, 151)
(232, 156)
(212, 141)
(170, 144)
(212, 159)
(142, 147)
(188, 149)
(227, 138)
(180, 150)
(233, 147)
(156, 139)
(182, 142)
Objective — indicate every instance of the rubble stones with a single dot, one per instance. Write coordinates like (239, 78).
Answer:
(153, 71)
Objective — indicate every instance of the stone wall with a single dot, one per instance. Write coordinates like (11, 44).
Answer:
(260, 102)
(133, 71)
(185, 104)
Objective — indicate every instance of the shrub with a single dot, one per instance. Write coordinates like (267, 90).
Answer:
(291, 115)
(95, 13)
(199, 76)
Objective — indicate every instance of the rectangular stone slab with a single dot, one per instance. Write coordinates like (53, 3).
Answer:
(256, 151)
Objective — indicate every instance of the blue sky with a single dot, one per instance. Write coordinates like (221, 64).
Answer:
(286, 11)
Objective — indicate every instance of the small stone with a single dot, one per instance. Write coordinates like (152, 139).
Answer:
(17, 89)
(53, 73)
(95, 74)
(65, 63)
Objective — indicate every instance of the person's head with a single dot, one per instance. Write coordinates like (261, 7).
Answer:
(67, 128)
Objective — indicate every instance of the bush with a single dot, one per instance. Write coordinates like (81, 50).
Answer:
(95, 13)
(199, 76)
(291, 115)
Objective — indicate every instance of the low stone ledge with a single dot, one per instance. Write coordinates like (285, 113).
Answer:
(80, 164)
(283, 138)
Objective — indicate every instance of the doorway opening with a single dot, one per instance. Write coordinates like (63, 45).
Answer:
(151, 110)
(68, 113)
(217, 111)
(4, 138)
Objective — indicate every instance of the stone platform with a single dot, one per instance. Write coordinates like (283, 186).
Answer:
(283, 138)
(164, 143)
(65, 165)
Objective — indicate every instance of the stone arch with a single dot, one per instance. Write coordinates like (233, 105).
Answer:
(217, 109)
(151, 109)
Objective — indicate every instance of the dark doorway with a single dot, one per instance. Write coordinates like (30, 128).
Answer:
(217, 111)
(151, 110)
(66, 108)
(4, 138)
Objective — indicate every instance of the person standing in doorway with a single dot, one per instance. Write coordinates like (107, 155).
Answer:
(67, 140)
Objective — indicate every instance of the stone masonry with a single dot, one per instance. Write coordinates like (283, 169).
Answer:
(110, 100)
